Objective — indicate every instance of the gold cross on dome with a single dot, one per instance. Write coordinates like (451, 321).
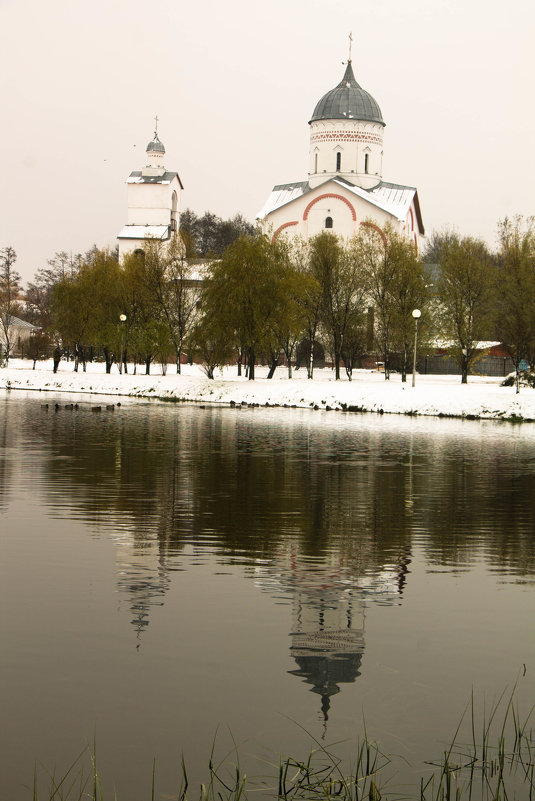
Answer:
(156, 125)
(350, 44)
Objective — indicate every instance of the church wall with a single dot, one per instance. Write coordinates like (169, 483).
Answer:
(334, 202)
(149, 204)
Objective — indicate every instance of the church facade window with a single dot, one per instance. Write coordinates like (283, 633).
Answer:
(366, 162)
(328, 222)
(338, 161)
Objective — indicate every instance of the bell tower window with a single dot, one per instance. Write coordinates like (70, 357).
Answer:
(338, 162)
(315, 162)
(366, 162)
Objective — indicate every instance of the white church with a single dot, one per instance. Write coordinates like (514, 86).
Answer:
(345, 187)
(153, 201)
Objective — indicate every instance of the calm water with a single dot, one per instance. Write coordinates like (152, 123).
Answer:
(171, 574)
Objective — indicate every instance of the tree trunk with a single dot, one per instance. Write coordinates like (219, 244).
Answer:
(108, 359)
(147, 365)
(404, 363)
(385, 364)
(250, 364)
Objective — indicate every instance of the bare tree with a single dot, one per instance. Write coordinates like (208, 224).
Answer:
(171, 281)
(9, 298)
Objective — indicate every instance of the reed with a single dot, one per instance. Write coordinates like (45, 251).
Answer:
(491, 759)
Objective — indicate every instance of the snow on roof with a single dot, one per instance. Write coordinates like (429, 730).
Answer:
(395, 199)
(144, 232)
(137, 177)
(481, 345)
(16, 322)
(282, 194)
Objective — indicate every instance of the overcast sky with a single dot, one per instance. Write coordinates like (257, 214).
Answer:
(234, 84)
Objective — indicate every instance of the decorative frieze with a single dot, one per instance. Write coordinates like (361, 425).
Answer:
(346, 136)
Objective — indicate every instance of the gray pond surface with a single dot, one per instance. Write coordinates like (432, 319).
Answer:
(171, 576)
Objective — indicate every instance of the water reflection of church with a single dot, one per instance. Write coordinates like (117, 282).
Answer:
(328, 605)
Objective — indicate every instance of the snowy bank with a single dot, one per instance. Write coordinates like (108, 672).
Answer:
(433, 395)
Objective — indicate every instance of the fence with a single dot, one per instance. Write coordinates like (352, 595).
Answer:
(485, 365)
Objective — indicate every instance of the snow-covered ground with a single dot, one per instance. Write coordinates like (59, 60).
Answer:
(482, 397)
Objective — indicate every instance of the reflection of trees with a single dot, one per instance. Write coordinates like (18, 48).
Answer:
(244, 483)
(475, 505)
(5, 462)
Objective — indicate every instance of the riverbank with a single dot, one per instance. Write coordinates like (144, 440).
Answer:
(439, 396)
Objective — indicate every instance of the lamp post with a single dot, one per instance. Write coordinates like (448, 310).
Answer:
(416, 313)
(122, 319)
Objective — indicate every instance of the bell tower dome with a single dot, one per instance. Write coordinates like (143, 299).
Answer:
(346, 136)
(155, 153)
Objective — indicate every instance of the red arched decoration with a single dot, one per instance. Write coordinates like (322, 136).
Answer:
(330, 194)
(376, 228)
(282, 227)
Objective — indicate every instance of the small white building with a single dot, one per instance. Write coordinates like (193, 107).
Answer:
(153, 202)
(18, 332)
(345, 186)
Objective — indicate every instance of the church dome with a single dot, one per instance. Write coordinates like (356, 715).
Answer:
(348, 101)
(155, 146)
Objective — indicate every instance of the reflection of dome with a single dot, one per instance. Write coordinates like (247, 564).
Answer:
(348, 101)
(155, 146)
(325, 672)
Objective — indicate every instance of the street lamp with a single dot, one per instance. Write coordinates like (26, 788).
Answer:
(416, 313)
(122, 319)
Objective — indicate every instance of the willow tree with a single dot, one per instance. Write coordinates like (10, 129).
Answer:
(171, 281)
(464, 293)
(372, 247)
(407, 292)
(343, 288)
(86, 308)
(245, 292)
(515, 295)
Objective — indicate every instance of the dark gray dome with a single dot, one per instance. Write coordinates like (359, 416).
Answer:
(348, 101)
(155, 145)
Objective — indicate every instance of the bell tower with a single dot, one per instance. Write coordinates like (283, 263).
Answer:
(153, 200)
